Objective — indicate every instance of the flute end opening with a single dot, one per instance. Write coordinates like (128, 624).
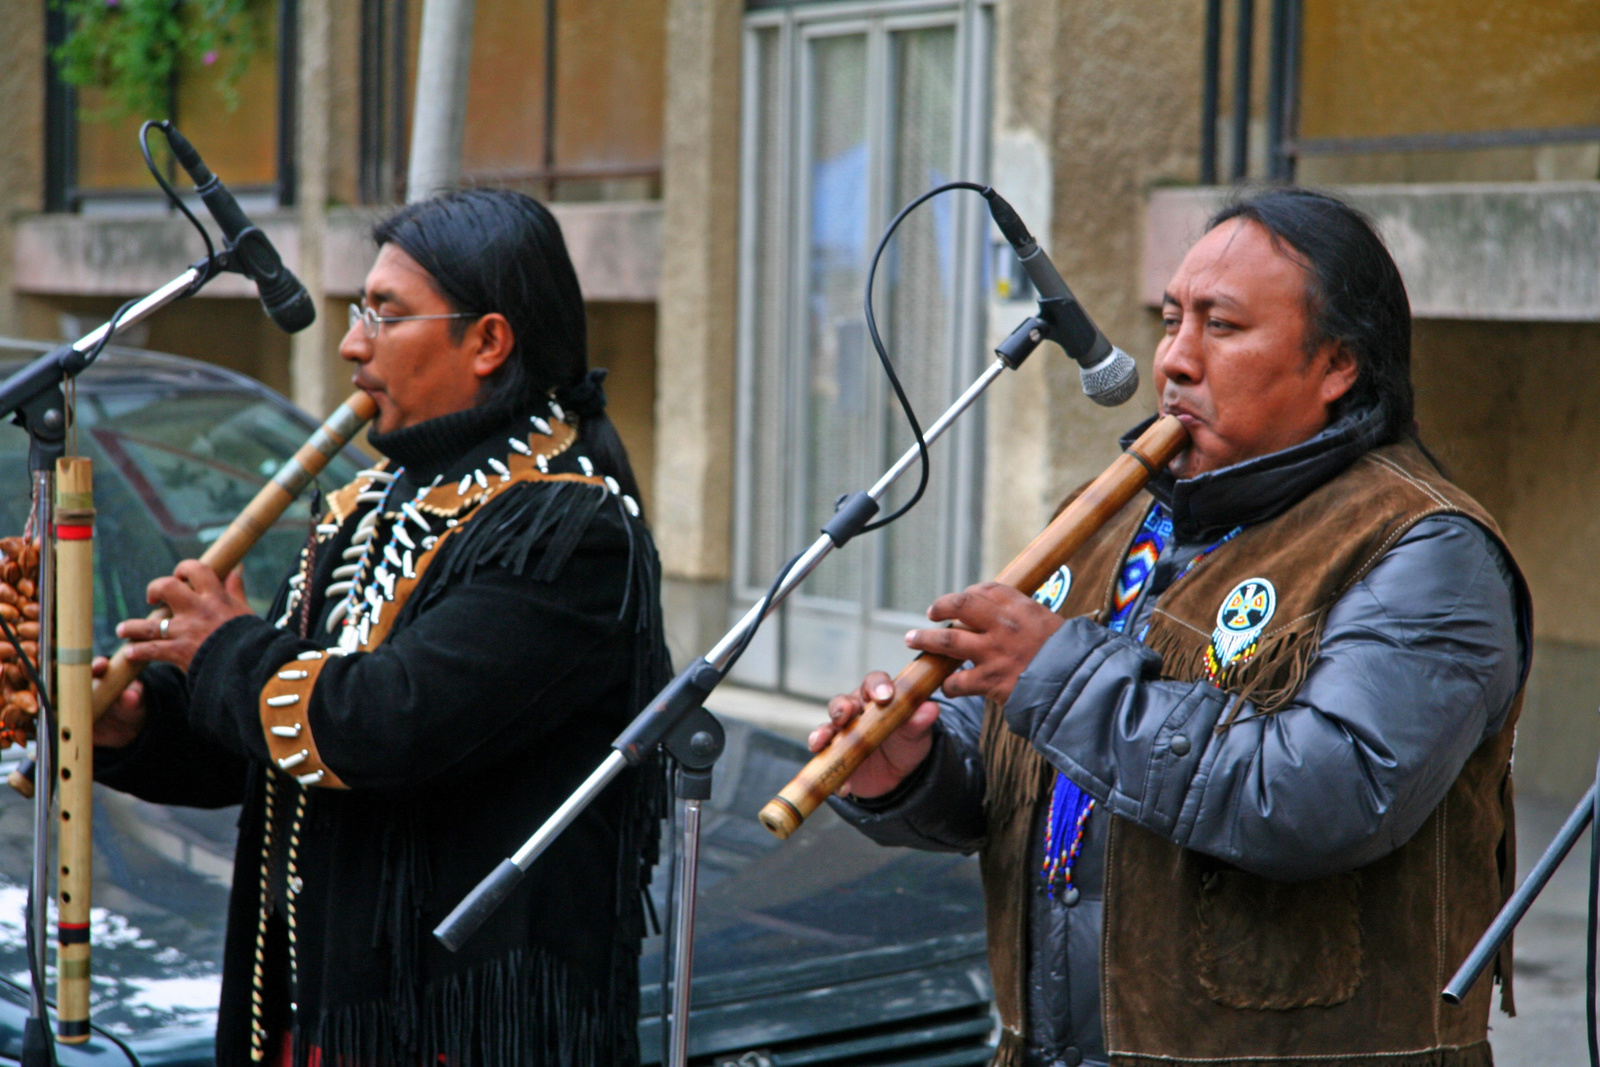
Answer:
(781, 818)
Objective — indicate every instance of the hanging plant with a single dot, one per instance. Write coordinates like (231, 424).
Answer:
(130, 49)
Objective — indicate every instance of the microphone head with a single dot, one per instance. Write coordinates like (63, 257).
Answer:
(1113, 380)
(291, 311)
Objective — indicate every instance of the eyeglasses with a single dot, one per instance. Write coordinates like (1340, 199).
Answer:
(370, 320)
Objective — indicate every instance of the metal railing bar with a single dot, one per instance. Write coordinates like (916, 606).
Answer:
(1243, 54)
(1441, 142)
(1212, 66)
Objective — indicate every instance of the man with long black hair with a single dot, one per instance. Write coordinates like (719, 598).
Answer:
(470, 625)
(1242, 787)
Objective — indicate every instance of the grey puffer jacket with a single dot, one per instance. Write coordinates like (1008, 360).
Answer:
(1331, 782)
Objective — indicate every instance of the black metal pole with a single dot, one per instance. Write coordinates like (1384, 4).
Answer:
(1277, 67)
(1211, 89)
(1294, 11)
(1243, 48)
(1488, 945)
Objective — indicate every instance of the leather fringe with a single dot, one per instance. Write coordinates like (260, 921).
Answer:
(1009, 1052)
(1268, 679)
(1016, 775)
(1474, 1055)
(520, 1009)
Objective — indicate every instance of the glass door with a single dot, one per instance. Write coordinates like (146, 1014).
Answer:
(848, 117)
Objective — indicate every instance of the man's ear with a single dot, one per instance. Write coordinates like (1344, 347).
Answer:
(1339, 373)
(494, 341)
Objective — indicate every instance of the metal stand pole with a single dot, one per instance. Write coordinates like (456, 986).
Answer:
(694, 787)
(44, 731)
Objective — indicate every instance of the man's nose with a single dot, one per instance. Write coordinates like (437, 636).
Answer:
(1182, 359)
(355, 346)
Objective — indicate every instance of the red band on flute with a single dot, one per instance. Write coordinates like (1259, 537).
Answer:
(74, 533)
(73, 933)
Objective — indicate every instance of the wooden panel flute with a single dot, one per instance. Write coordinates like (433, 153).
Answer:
(1090, 510)
(74, 548)
(256, 519)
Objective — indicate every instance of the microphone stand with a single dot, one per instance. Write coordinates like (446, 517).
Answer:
(36, 401)
(676, 720)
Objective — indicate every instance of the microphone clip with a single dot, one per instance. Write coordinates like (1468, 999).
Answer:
(1029, 335)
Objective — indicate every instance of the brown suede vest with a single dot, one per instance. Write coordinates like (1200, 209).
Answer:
(1203, 963)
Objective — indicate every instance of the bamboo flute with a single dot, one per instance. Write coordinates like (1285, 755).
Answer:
(74, 549)
(1077, 522)
(256, 519)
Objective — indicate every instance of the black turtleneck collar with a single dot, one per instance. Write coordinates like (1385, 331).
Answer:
(1208, 505)
(432, 447)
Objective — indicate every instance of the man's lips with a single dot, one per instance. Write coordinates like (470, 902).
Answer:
(1189, 419)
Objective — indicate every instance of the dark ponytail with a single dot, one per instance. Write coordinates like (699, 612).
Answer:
(493, 250)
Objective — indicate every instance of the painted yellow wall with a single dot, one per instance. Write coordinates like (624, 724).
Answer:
(1509, 409)
(1382, 67)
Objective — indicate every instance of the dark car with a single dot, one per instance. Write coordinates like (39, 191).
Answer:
(824, 950)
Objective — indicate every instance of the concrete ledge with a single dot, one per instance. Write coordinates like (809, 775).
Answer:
(1524, 251)
(615, 247)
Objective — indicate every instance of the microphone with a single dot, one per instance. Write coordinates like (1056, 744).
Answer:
(1110, 376)
(282, 296)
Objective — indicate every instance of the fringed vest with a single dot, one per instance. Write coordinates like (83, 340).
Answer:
(1203, 963)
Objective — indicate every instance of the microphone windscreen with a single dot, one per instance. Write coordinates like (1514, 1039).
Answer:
(1113, 380)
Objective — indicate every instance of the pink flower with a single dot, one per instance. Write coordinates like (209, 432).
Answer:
(208, 59)
(113, 3)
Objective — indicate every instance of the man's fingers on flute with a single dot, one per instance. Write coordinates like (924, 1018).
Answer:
(957, 644)
(878, 687)
(199, 577)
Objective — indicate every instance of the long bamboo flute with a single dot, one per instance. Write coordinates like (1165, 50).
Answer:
(74, 548)
(1090, 510)
(257, 517)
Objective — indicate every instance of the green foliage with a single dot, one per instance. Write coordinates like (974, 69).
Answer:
(130, 48)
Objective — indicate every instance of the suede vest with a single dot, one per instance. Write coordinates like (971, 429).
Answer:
(1203, 963)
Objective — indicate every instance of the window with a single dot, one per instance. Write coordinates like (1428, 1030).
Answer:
(93, 160)
(850, 111)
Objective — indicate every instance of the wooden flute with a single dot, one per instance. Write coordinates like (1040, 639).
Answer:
(1077, 522)
(74, 764)
(256, 519)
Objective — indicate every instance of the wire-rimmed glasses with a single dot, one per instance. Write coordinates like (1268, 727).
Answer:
(370, 320)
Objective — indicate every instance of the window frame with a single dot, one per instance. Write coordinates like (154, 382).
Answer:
(958, 529)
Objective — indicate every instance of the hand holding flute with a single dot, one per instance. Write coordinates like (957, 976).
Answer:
(998, 630)
(1001, 629)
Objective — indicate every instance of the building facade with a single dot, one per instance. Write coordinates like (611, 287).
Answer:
(723, 170)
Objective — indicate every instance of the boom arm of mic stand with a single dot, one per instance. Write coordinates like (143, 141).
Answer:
(1511, 914)
(60, 363)
(691, 687)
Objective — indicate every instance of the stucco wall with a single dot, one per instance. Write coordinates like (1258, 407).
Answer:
(1077, 78)
(22, 162)
(1510, 409)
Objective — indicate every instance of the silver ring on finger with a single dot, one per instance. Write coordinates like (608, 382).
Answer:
(162, 629)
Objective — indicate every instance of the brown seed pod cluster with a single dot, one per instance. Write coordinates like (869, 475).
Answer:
(19, 605)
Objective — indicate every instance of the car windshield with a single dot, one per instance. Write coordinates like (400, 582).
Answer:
(178, 450)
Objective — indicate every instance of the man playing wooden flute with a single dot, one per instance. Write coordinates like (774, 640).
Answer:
(1241, 786)
(470, 626)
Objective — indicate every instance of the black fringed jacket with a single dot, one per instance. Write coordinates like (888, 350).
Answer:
(530, 635)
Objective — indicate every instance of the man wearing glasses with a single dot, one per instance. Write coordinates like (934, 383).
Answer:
(471, 624)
